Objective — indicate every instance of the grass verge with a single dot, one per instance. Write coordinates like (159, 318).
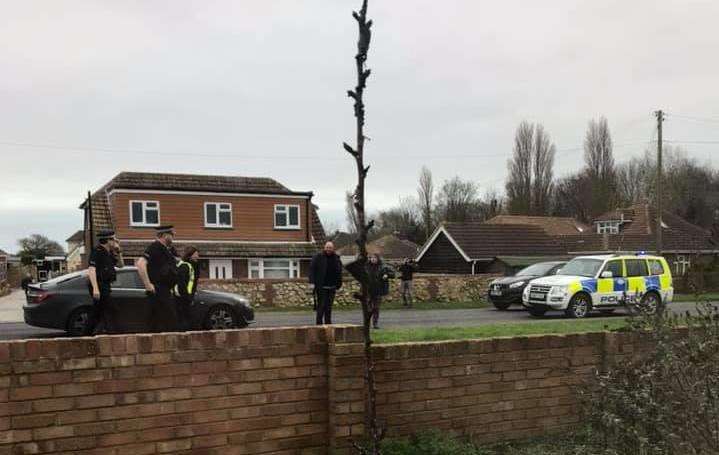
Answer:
(496, 330)
(710, 296)
(389, 306)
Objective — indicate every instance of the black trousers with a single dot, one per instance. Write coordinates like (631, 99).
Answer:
(184, 311)
(325, 299)
(163, 310)
(103, 317)
(374, 302)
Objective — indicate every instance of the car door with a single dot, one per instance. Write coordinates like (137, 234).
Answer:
(636, 271)
(610, 291)
(130, 301)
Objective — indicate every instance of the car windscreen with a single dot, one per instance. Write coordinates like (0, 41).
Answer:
(540, 269)
(582, 267)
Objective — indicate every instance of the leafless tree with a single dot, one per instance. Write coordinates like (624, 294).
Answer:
(543, 165)
(519, 181)
(404, 219)
(350, 213)
(364, 25)
(458, 201)
(425, 197)
(572, 197)
(599, 159)
(492, 204)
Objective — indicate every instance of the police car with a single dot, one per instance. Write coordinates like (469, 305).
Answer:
(601, 283)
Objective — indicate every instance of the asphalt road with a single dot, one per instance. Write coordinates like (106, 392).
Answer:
(388, 319)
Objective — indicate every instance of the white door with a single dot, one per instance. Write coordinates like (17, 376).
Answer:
(220, 269)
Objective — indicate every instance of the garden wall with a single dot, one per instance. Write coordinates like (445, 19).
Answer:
(296, 292)
(281, 391)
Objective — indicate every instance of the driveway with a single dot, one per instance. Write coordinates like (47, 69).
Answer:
(11, 306)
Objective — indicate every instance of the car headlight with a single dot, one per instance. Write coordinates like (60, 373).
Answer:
(525, 293)
(516, 285)
(558, 291)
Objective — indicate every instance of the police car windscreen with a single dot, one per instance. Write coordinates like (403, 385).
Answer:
(582, 267)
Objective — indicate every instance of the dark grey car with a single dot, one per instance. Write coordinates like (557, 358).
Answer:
(64, 303)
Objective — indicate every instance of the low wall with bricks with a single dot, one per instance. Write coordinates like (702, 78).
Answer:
(282, 391)
(296, 292)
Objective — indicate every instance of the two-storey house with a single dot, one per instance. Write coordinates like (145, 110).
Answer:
(244, 227)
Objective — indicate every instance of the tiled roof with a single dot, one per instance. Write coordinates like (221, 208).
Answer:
(552, 225)
(482, 240)
(78, 236)
(389, 247)
(231, 250)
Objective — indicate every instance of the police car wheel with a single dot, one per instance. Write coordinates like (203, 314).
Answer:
(78, 323)
(221, 317)
(579, 306)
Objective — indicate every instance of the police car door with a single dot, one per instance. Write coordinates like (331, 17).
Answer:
(610, 291)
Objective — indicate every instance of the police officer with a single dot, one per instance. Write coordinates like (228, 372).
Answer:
(101, 273)
(187, 276)
(158, 271)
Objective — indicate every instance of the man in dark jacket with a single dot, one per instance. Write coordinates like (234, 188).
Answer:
(188, 272)
(325, 281)
(26, 282)
(378, 276)
(158, 271)
(407, 270)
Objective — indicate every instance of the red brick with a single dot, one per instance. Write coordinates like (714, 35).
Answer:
(30, 393)
(73, 390)
(53, 404)
(50, 378)
(52, 432)
(33, 421)
(95, 401)
(174, 446)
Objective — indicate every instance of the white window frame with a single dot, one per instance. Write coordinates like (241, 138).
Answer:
(285, 208)
(294, 267)
(682, 264)
(143, 223)
(610, 227)
(217, 213)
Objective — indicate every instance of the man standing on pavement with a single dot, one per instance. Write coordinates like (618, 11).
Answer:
(158, 271)
(26, 282)
(407, 270)
(325, 280)
(101, 273)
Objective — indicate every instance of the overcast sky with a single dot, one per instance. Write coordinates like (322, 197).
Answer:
(257, 88)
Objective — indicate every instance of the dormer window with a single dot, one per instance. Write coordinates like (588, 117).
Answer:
(608, 227)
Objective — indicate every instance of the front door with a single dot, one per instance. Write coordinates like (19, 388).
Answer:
(220, 269)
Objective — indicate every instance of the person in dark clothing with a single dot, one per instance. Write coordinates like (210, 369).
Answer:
(407, 270)
(325, 280)
(188, 272)
(158, 271)
(378, 276)
(101, 274)
(26, 282)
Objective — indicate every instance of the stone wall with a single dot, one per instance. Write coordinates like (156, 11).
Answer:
(296, 292)
(287, 391)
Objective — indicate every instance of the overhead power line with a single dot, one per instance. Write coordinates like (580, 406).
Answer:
(693, 118)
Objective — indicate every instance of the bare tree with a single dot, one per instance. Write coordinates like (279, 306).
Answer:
(572, 197)
(404, 219)
(519, 182)
(425, 196)
(599, 159)
(350, 213)
(491, 204)
(363, 227)
(543, 164)
(458, 201)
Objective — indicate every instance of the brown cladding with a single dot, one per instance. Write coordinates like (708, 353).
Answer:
(443, 257)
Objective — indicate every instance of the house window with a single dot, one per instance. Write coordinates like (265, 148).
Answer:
(144, 213)
(682, 265)
(274, 268)
(218, 215)
(287, 216)
(609, 227)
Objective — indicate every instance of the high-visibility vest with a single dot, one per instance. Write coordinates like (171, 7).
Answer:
(190, 282)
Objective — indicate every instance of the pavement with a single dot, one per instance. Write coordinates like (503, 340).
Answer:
(13, 327)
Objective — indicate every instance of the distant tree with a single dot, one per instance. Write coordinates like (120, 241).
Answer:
(403, 219)
(351, 213)
(573, 196)
(529, 185)
(491, 204)
(425, 197)
(38, 246)
(599, 160)
(458, 200)
(632, 179)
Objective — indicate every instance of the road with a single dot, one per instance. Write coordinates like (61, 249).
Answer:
(388, 319)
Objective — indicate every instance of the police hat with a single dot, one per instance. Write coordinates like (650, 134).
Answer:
(159, 230)
(105, 235)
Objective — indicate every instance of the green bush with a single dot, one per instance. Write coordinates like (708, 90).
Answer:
(430, 443)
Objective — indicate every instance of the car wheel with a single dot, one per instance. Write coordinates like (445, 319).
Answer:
(650, 303)
(221, 317)
(579, 306)
(79, 322)
(536, 312)
(501, 305)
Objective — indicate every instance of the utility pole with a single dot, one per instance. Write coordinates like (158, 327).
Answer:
(660, 118)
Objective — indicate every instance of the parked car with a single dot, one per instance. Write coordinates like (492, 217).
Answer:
(505, 291)
(602, 283)
(64, 303)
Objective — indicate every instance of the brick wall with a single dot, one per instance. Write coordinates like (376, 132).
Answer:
(282, 391)
(296, 292)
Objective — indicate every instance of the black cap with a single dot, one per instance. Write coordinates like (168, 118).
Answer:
(167, 229)
(105, 235)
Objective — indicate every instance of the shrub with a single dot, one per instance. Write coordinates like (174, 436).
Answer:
(667, 401)
(430, 443)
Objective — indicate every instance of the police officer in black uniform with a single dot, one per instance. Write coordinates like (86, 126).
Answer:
(101, 273)
(158, 270)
